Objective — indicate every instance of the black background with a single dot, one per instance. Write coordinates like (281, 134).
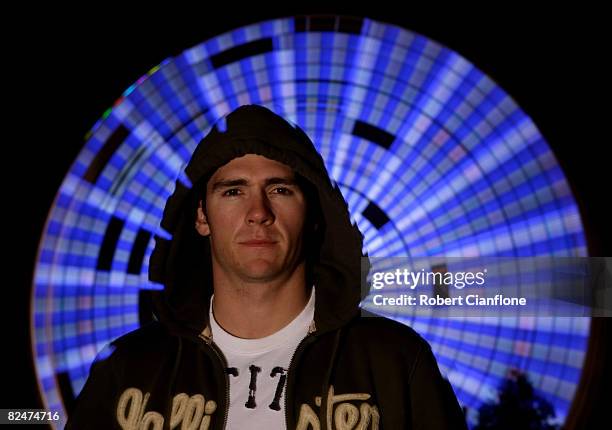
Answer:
(63, 67)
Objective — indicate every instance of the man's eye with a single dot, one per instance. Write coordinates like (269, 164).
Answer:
(282, 190)
(231, 192)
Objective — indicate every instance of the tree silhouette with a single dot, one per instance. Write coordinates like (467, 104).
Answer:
(518, 407)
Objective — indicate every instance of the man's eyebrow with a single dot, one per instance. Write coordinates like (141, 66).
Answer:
(228, 183)
(280, 180)
(225, 183)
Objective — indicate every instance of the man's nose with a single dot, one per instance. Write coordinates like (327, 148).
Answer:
(260, 211)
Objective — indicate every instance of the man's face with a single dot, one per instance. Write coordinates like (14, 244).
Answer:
(254, 215)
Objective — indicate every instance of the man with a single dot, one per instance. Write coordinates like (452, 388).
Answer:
(258, 324)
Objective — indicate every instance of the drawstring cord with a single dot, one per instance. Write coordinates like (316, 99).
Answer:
(172, 385)
(327, 380)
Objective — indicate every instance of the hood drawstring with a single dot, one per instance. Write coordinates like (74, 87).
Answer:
(172, 384)
(327, 382)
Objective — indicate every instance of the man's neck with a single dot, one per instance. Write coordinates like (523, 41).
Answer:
(256, 310)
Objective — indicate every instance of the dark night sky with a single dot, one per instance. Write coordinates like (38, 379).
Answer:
(66, 67)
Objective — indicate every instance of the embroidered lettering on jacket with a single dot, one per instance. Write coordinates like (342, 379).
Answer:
(191, 412)
(345, 416)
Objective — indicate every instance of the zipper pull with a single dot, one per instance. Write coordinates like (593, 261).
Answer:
(312, 327)
(206, 335)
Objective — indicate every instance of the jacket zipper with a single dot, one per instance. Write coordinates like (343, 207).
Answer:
(308, 337)
(212, 346)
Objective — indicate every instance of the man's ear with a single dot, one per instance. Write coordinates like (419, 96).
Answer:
(201, 224)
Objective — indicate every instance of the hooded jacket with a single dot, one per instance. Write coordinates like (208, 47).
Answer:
(350, 372)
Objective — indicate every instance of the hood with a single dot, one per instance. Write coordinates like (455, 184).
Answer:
(183, 262)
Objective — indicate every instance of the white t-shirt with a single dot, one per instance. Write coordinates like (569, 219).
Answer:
(257, 371)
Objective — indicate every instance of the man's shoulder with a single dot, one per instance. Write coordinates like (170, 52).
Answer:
(387, 333)
(385, 326)
(143, 340)
(142, 333)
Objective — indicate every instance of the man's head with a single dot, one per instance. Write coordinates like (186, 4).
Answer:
(254, 213)
(327, 246)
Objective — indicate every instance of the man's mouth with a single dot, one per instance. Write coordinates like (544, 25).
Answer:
(257, 243)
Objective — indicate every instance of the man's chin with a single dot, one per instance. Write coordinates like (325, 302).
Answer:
(259, 271)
